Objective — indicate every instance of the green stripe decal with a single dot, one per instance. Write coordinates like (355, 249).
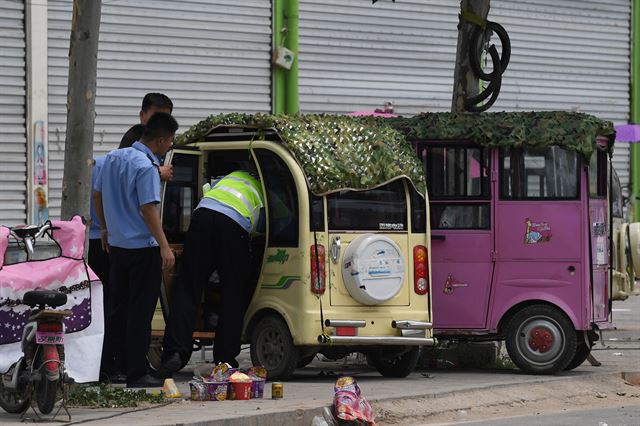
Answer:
(283, 283)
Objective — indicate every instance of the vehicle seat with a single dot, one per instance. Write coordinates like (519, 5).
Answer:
(44, 297)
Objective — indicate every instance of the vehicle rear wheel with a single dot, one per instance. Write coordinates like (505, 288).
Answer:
(582, 353)
(14, 402)
(46, 393)
(541, 340)
(272, 347)
(395, 366)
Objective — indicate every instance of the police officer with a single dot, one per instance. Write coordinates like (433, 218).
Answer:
(126, 198)
(218, 239)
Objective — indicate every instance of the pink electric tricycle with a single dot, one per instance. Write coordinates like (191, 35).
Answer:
(520, 220)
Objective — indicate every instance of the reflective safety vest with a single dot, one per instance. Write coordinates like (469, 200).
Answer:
(242, 192)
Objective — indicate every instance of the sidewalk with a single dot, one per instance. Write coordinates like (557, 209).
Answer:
(312, 387)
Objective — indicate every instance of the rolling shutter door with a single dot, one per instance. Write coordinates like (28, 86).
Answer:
(565, 55)
(13, 136)
(208, 56)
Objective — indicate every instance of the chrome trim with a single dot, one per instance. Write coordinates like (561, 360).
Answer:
(411, 325)
(345, 323)
(377, 340)
(413, 333)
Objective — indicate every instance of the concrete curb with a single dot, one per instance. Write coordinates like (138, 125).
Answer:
(304, 416)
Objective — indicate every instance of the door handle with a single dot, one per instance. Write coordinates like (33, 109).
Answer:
(335, 249)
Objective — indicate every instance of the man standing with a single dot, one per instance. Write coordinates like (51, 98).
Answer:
(98, 258)
(126, 197)
(218, 239)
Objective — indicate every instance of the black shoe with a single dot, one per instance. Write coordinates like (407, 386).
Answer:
(172, 363)
(145, 381)
(114, 377)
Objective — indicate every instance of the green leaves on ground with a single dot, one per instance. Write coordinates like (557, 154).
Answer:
(104, 396)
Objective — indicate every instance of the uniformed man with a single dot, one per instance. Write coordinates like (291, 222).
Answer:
(218, 239)
(126, 197)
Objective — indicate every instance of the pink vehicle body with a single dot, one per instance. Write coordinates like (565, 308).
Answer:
(520, 248)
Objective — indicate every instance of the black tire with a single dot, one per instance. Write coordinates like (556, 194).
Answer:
(304, 361)
(46, 393)
(399, 366)
(13, 402)
(541, 340)
(273, 348)
(582, 353)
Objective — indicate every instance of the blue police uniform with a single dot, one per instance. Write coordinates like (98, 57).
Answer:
(128, 180)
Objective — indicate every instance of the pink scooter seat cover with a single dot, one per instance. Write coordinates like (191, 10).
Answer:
(69, 274)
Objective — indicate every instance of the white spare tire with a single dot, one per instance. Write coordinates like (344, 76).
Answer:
(373, 269)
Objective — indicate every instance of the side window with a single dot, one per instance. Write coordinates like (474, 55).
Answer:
(616, 197)
(459, 184)
(380, 209)
(538, 175)
(598, 174)
(282, 200)
(316, 212)
(181, 197)
(221, 163)
(418, 212)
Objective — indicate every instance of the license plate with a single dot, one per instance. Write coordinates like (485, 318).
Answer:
(49, 338)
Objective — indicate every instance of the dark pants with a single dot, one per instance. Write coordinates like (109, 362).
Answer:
(135, 277)
(99, 263)
(213, 242)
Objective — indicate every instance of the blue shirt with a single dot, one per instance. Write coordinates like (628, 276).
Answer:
(129, 179)
(94, 228)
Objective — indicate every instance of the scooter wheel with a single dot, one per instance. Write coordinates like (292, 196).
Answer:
(14, 402)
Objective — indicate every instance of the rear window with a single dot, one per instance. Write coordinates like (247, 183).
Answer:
(538, 175)
(380, 209)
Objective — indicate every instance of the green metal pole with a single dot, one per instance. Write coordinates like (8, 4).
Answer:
(278, 74)
(291, 42)
(635, 105)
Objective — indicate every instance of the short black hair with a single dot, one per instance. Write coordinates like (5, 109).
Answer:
(133, 135)
(158, 100)
(160, 125)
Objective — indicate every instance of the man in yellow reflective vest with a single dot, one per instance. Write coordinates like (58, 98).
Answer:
(218, 239)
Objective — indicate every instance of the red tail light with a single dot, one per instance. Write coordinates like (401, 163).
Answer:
(318, 275)
(420, 270)
(50, 326)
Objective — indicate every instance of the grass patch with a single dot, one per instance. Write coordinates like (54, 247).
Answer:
(103, 396)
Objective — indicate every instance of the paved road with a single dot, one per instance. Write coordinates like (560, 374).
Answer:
(618, 416)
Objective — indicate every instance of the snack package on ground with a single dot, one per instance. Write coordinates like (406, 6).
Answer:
(199, 391)
(170, 389)
(221, 372)
(258, 376)
(349, 407)
(241, 385)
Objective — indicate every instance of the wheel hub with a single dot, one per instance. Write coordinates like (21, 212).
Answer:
(541, 339)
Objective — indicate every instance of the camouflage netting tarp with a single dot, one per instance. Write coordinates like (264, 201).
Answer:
(533, 130)
(335, 152)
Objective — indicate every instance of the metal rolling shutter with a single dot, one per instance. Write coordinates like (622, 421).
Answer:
(13, 136)
(565, 55)
(208, 56)
(355, 55)
(569, 55)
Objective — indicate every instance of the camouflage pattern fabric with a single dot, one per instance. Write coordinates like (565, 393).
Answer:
(335, 152)
(359, 153)
(533, 130)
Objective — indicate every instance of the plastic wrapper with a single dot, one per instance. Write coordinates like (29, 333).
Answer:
(220, 373)
(198, 391)
(239, 377)
(258, 376)
(170, 389)
(349, 406)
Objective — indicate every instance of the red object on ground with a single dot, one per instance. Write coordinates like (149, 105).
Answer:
(242, 390)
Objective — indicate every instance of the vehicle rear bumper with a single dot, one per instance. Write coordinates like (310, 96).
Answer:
(376, 340)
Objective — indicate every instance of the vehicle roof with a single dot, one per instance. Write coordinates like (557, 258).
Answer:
(335, 152)
(529, 129)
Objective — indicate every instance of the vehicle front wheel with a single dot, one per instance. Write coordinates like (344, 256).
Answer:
(541, 340)
(272, 347)
(14, 402)
(395, 366)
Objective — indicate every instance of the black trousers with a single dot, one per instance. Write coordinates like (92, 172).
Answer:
(135, 277)
(99, 263)
(213, 242)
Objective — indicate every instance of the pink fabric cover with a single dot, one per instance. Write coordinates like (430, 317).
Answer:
(69, 274)
(4, 242)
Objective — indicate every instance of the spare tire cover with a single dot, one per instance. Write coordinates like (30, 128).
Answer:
(373, 269)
